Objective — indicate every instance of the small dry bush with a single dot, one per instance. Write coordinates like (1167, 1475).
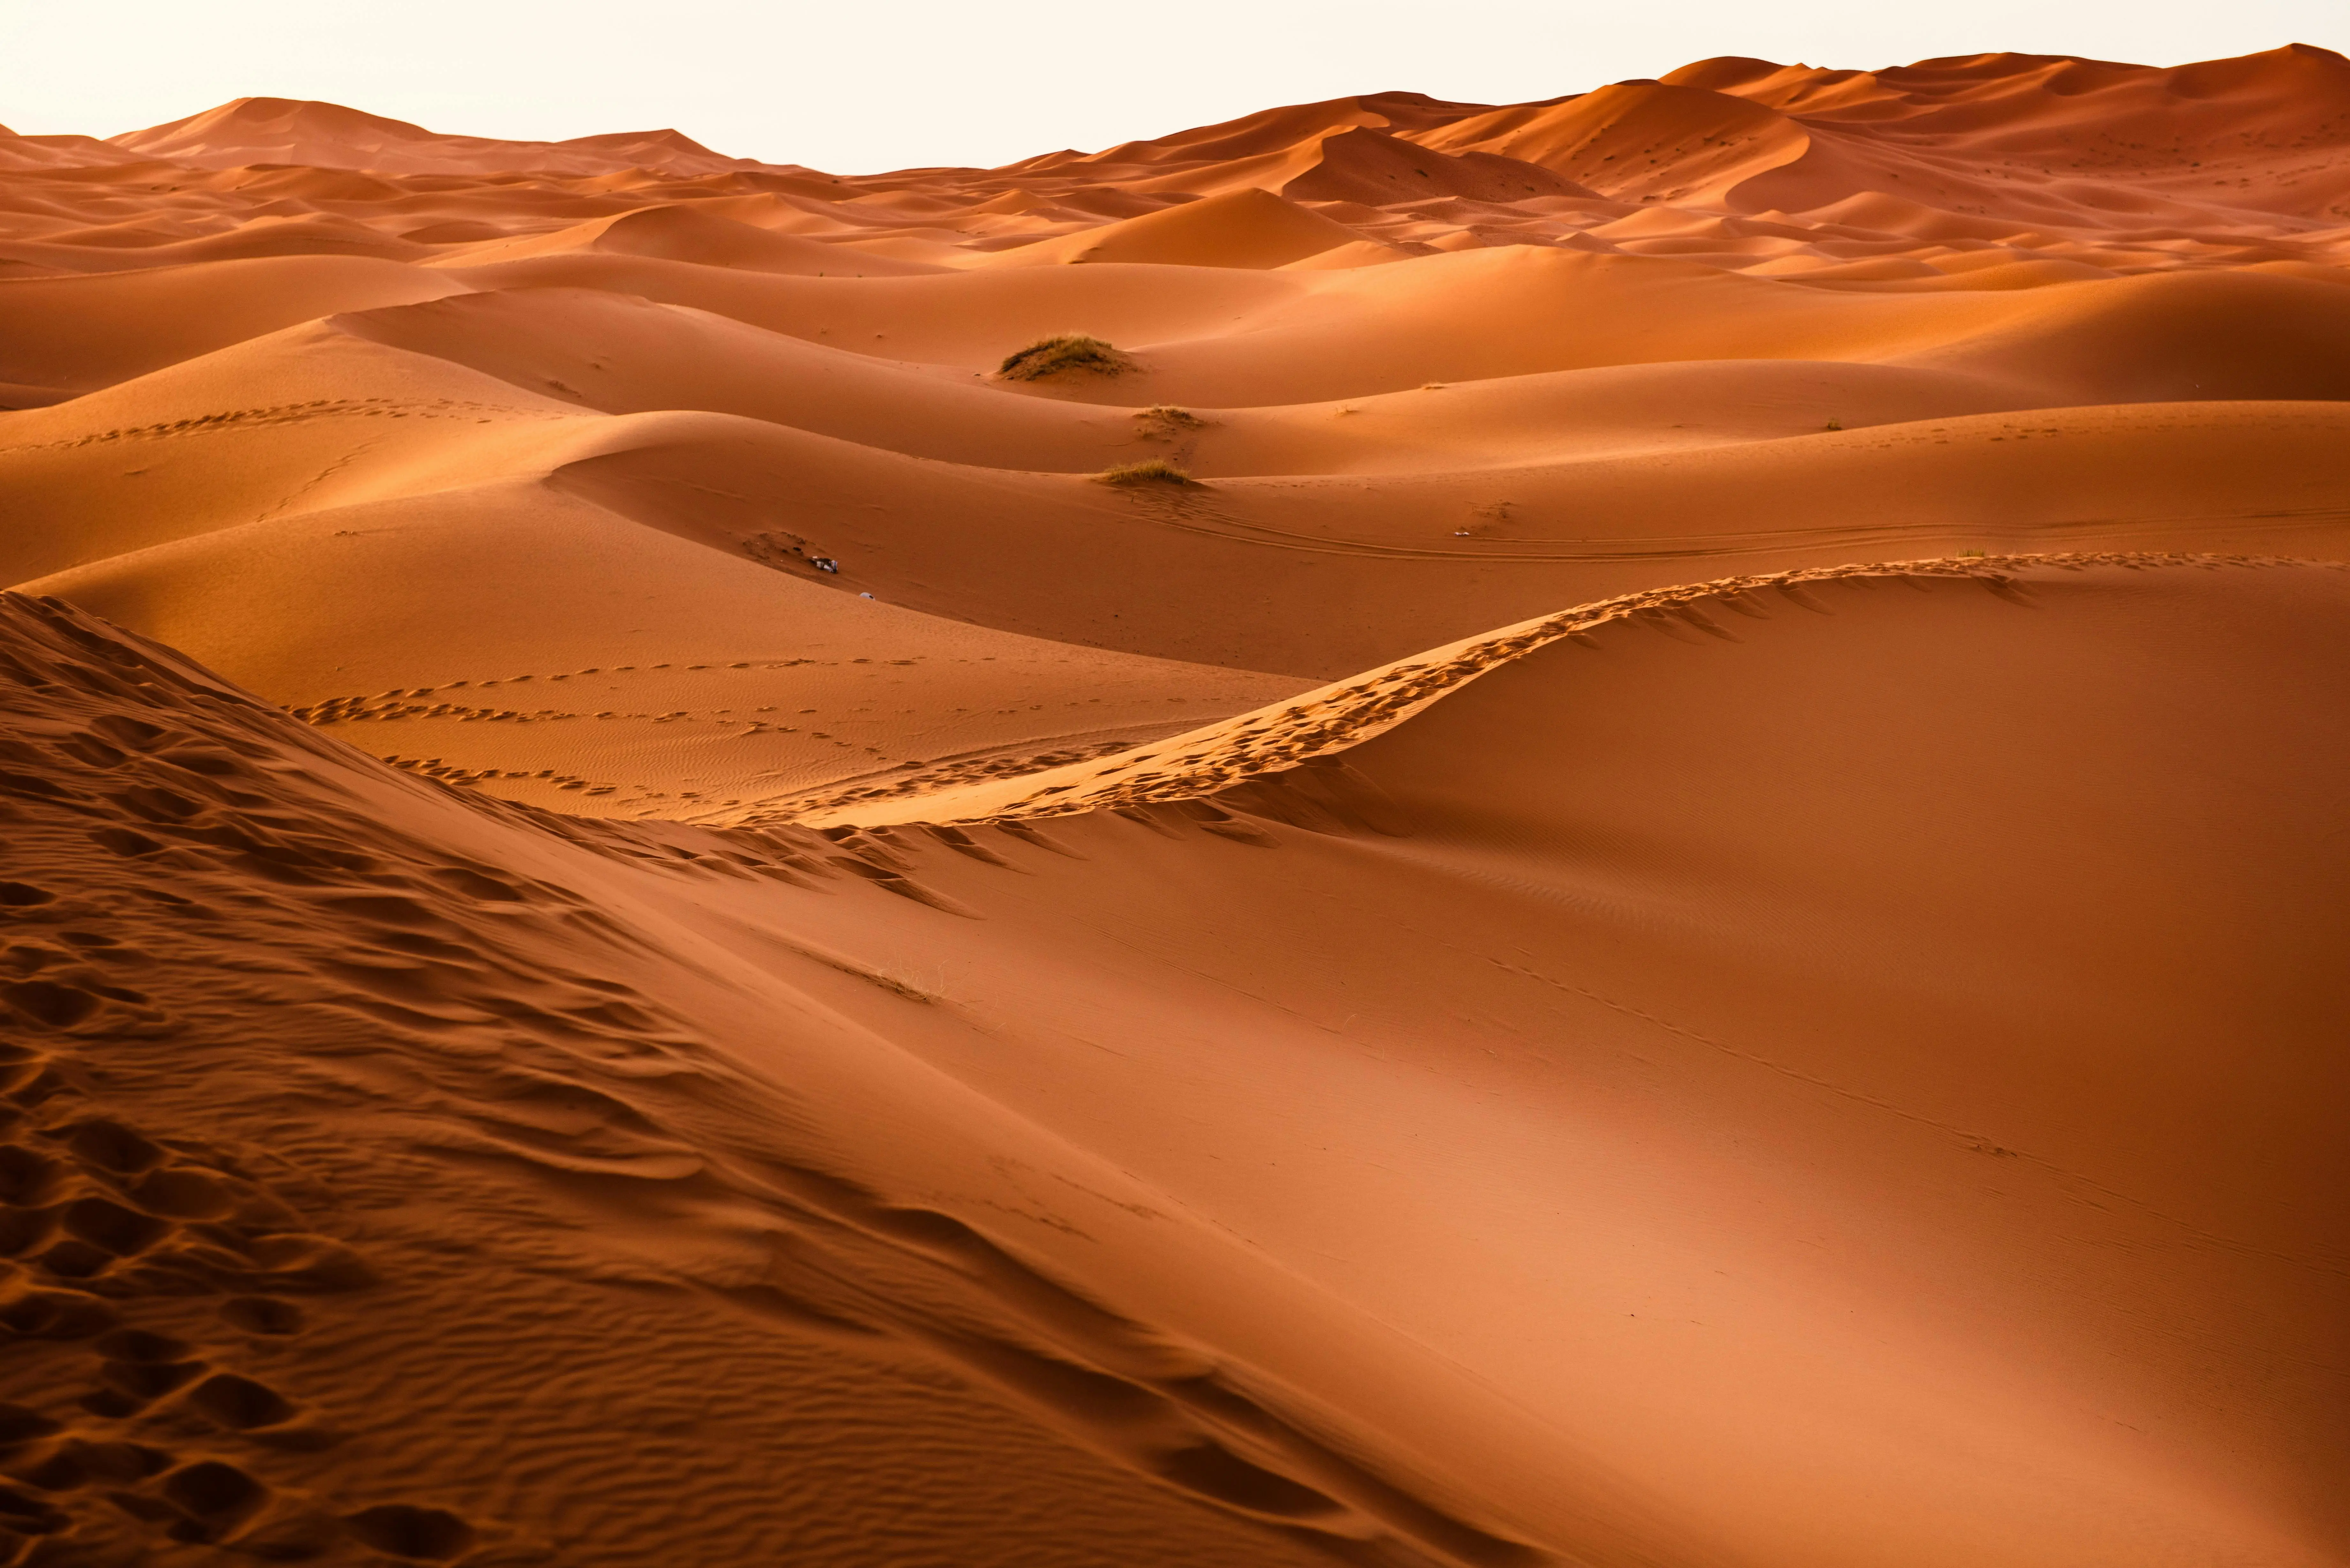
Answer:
(1151, 471)
(1068, 351)
(1164, 419)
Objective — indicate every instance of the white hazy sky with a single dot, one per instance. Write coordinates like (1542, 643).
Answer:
(856, 87)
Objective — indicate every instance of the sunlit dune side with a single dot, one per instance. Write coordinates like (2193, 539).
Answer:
(1272, 742)
(1603, 832)
(1245, 228)
(1906, 174)
(1874, 1103)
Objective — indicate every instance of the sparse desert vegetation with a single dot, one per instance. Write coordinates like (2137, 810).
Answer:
(1151, 471)
(1063, 354)
(1162, 421)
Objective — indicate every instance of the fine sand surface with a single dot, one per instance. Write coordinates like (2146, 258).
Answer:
(1672, 893)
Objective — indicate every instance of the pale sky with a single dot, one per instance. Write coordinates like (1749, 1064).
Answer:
(856, 87)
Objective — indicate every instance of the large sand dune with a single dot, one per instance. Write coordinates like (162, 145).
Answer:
(1621, 841)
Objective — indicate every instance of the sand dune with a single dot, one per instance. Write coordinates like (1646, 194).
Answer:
(72, 334)
(1615, 840)
(1532, 769)
(680, 233)
(1639, 140)
(1246, 228)
(326, 136)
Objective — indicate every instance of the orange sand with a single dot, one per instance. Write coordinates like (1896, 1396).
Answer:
(1685, 908)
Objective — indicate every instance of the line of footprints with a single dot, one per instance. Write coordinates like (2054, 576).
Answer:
(94, 1217)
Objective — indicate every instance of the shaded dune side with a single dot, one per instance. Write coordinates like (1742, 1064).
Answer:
(73, 334)
(1966, 1034)
(1345, 713)
(1247, 228)
(686, 234)
(2055, 872)
(1636, 140)
(297, 1246)
(1982, 172)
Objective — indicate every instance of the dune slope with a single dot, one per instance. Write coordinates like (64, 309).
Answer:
(1973, 1251)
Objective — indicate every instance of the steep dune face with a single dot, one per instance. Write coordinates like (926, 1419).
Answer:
(1639, 140)
(2052, 114)
(685, 885)
(2063, 139)
(1365, 167)
(1646, 876)
(1247, 228)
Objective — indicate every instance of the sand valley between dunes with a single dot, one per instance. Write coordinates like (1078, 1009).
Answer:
(1600, 834)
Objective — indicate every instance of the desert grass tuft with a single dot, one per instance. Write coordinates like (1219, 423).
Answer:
(1151, 471)
(1165, 418)
(1065, 352)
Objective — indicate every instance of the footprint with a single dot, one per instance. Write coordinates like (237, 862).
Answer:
(120, 1231)
(474, 885)
(127, 730)
(302, 1261)
(78, 1462)
(262, 1315)
(184, 1192)
(239, 1403)
(103, 1141)
(74, 1259)
(57, 1315)
(132, 1385)
(22, 1230)
(423, 1534)
(123, 841)
(213, 1499)
(19, 1426)
(21, 1514)
(48, 1003)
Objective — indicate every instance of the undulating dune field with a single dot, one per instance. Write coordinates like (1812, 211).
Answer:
(1611, 832)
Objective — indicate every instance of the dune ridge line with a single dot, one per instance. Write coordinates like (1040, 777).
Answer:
(1346, 714)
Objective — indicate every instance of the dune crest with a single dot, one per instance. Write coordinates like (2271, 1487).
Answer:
(1245, 228)
(252, 131)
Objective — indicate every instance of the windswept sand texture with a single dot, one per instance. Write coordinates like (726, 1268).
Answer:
(1673, 894)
